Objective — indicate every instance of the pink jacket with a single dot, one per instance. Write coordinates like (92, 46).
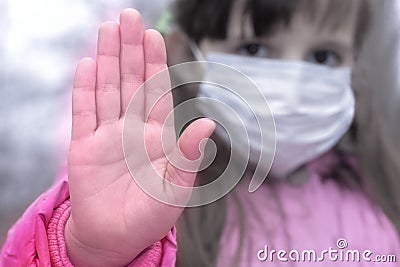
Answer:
(319, 215)
(37, 239)
(314, 216)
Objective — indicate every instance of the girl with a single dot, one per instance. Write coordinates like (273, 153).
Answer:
(326, 33)
(105, 219)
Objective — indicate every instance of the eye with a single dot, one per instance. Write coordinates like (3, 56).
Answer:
(253, 49)
(325, 57)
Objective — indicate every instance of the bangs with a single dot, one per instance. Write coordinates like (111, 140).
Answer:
(267, 14)
(203, 18)
(209, 18)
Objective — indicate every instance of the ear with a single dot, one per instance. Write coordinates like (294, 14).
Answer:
(178, 47)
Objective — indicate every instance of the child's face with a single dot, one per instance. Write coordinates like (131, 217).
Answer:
(302, 40)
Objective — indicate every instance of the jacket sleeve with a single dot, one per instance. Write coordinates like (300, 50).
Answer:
(37, 238)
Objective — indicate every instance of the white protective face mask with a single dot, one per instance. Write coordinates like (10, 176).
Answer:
(312, 106)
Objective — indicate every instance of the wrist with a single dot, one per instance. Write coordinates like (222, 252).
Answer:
(81, 254)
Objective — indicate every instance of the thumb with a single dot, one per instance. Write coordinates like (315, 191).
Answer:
(189, 142)
(189, 146)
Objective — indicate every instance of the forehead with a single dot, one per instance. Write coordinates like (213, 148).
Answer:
(247, 20)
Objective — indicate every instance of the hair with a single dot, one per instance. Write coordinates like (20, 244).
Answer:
(209, 19)
(377, 110)
(200, 228)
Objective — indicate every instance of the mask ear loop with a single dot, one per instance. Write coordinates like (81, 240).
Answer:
(198, 55)
(193, 46)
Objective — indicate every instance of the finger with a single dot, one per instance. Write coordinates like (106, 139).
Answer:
(108, 77)
(84, 100)
(132, 61)
(189, 142)
(157, 96)
(189, 145)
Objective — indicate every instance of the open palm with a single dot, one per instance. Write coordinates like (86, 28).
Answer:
(112, 219)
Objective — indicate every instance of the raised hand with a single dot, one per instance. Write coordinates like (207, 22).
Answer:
(112, 220)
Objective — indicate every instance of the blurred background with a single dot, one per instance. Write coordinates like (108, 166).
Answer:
(40, 44)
